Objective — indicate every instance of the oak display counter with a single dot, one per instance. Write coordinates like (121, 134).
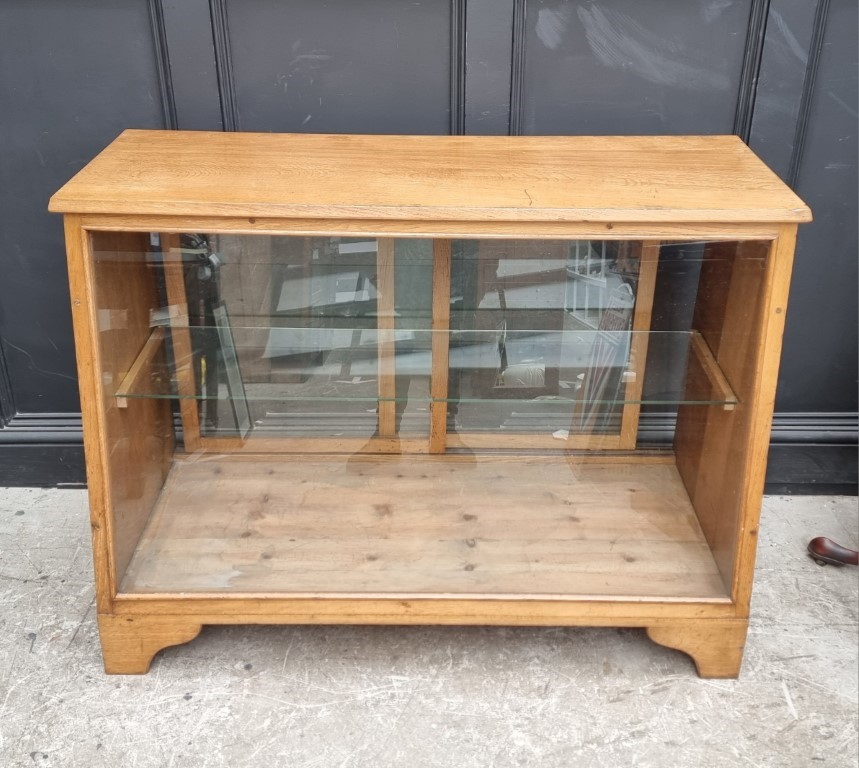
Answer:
(426, 380)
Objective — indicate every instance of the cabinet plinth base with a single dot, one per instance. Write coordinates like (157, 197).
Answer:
(129, 643)
(716, 647)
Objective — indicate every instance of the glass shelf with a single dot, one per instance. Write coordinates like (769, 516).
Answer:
(523, 343)
(552, 370)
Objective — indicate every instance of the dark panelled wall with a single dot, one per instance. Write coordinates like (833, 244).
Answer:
(782, 74)
(656, 67)
(818, 372)
(72, 76)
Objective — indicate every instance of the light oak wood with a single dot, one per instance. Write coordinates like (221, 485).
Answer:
(141, 368)
(501, 610)
(130, 640)
(386, 324)
(183, 350)
(522, 178)
(706, 360)
(733, 314)
(715, 646)
(128, 643)
(710, 443)
(591, 535)
(369, 527)
(85, 323)
(440, 345)
(779, 264)
(496, 228)
(572, 457)
(648, 259)
(255, 445)
(245, 287)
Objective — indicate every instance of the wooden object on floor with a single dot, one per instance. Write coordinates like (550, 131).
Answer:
(587, 536)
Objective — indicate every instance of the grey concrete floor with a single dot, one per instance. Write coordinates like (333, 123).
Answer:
(356, 697)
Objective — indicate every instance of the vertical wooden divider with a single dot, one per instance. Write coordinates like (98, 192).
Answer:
(641, 319)
(440, 345)
(183, 351)
(386, 325)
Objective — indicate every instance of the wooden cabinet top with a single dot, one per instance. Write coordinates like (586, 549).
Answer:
(683, 179)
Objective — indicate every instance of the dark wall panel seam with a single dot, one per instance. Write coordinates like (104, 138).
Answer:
(821, 14)
(224, 65)
(517, 68)
(162, 63)
(457, 66)
(7, 401)
(750, 72)
(787, 428)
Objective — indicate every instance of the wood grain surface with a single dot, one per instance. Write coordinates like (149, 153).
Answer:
(553, 178)
(425, 526)
(463, 538)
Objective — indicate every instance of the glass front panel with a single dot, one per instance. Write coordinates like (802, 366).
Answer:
(301, 336)
(306, 336)
(442, 406)
(541, 335)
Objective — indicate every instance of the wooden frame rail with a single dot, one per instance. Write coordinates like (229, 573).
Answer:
(141, 366)
(707, 360)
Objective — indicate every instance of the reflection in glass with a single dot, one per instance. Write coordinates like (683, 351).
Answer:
(467, 343)
(544, 300)
(404, 415)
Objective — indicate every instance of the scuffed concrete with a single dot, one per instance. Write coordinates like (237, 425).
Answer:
(385, 696)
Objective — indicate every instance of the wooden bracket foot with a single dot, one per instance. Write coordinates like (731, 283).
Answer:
(716, 647)
(128, 643)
